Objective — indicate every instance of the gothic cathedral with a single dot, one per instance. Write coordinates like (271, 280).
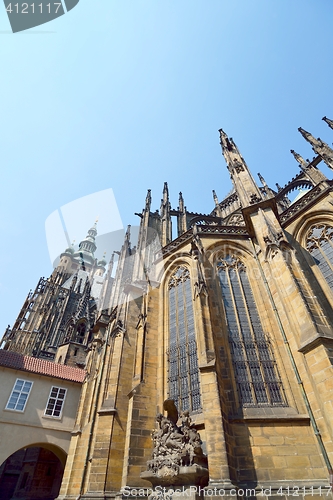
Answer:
(208, 356)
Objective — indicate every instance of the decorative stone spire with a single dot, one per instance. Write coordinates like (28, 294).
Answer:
(269, 192)
(181, 216)
(246, 188)
(128, 235)
(105, 295)
(218, 210)
(319, 147)
(300, 160)
(328, 121)
(311, 171)
(181, 202)
(165, 198)
(166, 231)
(148, 200)
(315, 143)
(272, 233)
(262, 180)
(111, 263)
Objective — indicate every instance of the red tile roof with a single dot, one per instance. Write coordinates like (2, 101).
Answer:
(40, 366)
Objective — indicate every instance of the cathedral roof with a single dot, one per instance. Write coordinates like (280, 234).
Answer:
(23, 363)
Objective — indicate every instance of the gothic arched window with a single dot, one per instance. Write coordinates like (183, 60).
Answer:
(320, 245)
(184, 386)
(255, 369)
(80, 332)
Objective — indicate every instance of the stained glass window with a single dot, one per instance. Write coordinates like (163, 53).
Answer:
(184, 385)
(256, 372)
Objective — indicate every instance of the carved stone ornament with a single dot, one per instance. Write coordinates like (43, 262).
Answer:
(238, 166)
(231, 262)
(177, 456)
(197, 251)
(254, 198)
(235, 220)
(318, 235)
(180, 275)
(274, 239)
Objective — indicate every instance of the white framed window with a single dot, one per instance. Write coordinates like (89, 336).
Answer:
(19, 396)
(55, 402)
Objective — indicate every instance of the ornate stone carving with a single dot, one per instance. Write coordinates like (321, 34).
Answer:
(254, 198)
(177, 456)
(181, 274)
(235, 220)
(197, 253)
(238, 166)
(300, 204)
(274, 239)
(231, 262)
(318, 235)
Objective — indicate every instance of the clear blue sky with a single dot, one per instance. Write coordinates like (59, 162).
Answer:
(128, 94)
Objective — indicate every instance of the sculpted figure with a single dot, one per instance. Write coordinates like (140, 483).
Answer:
(174, 446)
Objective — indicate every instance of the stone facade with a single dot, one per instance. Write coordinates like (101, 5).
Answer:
(233, 321)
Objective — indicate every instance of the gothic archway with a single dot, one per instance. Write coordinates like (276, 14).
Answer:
(34, 473)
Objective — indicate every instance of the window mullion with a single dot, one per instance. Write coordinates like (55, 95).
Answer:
(247, 382)
(184, 383)
(187, 346)
(255, 368)
(324, 255)
(178, 353)
(253, 343)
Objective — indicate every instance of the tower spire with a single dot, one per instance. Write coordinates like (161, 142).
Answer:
(247, 189)
(319, 147)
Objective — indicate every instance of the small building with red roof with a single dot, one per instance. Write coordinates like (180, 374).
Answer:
(38, 406)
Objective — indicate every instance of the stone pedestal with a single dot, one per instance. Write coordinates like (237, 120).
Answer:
(173, 476)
